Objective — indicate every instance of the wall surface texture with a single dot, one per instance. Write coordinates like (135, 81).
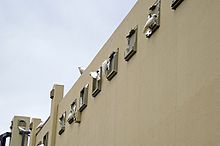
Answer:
(168, 93)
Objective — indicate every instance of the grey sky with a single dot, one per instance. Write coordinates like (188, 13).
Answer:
(42, 42)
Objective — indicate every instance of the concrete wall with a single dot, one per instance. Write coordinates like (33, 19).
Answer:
(42, 132)
(33, 127)
(50, 125)
(166, 94)
(16, 136)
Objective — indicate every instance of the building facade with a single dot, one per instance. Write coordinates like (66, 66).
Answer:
(155, 82)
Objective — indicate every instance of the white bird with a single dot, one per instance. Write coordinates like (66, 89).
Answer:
(108, 63)
(105, 65)
(81, 70)
(71, 115)
(40, 125)
(87, 85)
(95, 75)
(21, 129)
(61, 121)
(151, 20)
(40, 144)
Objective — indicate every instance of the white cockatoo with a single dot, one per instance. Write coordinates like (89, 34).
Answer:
(71, 115)
(62, 122)
(105, 65)
(21, 129)
(40, 125)
(108, 64)
(151, 20)
(40, 143)
(95, 75)
(81, 70)
(87, 85)
(72, 111)
(110, 59)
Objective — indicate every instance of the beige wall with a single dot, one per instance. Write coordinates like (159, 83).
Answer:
(42, 132)
(16, 137)
(166, 94)
(33, 128)
(50, 125)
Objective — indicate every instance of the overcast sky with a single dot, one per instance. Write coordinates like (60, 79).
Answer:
(42, 42)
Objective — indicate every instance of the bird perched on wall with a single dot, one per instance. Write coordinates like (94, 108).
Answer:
(71, 115)
(95, 75)
(105, 65)
(87, 85)
(62, 122)
(40, 125)
(150, 21)
(40, 143)
(81, 70)
(23, 130)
